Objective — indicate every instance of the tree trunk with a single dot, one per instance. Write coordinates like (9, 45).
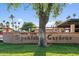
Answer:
(42, 34)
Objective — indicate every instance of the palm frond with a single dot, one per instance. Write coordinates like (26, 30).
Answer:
(14, 5)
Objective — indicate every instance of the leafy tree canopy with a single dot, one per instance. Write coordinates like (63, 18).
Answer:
(28, 26)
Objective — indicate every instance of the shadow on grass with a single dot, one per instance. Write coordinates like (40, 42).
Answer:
(40, 51)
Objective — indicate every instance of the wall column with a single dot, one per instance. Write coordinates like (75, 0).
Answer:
(72, 28)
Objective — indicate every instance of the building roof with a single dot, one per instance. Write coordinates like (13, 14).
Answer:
(68, 22)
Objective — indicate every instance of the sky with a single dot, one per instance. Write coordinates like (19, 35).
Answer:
(29, 15)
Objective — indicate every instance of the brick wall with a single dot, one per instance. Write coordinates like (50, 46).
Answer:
(51, 37)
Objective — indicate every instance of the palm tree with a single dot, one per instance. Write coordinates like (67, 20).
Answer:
(58, 22)
(18, 25)
(14, 22)
(74, 15)
(7, 24)
(43, 10)
(4, 23)
(68, 17)
(12, 17)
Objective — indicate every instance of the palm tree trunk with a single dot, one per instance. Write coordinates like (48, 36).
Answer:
(12, 24)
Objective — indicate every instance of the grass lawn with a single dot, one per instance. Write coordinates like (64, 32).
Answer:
(34, 50)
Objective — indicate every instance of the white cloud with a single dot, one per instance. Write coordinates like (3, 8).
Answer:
(50, 23)
(20, 20)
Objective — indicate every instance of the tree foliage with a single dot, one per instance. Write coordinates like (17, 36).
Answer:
(68, 17)
(58, 22)
(44, 10)
(14, 5)
(54, 8)
(28, 26)
(74, 15)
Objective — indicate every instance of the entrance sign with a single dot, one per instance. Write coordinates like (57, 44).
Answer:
(33, 37)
